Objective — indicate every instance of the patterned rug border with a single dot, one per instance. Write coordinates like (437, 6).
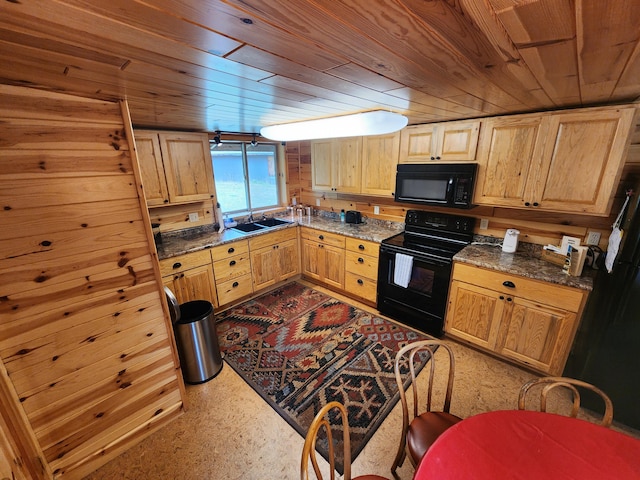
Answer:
(367, 349)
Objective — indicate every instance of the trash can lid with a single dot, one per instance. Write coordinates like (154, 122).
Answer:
(174, 308)
(194, 310)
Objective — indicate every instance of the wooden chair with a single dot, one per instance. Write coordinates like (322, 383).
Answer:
(571, 384)
(422, 429)
(309, 449)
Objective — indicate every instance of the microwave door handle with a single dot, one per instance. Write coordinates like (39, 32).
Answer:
(450, 189)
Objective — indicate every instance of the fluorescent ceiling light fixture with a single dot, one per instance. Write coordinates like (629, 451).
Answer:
(377, 122)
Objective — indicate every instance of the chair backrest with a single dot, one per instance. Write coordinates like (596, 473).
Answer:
(549, 383)
(405, 363)
(309, 450)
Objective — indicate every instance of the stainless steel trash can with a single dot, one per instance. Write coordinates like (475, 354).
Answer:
(195, 330)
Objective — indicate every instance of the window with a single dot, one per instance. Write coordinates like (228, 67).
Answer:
(246, 177)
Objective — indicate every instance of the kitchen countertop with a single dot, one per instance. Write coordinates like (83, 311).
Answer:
(192, 240)
(523, 263)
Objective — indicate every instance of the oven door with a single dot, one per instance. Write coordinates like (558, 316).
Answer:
(423, 302)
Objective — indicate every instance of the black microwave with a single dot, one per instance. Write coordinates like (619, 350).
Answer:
(443, 184)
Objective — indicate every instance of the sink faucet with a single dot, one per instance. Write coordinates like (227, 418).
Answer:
(264, 217)
(250, 219)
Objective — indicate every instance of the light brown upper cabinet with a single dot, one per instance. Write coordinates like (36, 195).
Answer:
(365, 165)
(336, 164)
(561, 161)
(379, 161)
(176, 167)
(451, 141)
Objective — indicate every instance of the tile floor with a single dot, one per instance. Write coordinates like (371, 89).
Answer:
(230, 433)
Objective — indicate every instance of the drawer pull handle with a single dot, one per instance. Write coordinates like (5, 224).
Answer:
(321, 237)
(232, 263)
(360, 260)
(235, 284)
(509, 284)
(231, 250)
(360, 282)
(361, 247)
(177, 265)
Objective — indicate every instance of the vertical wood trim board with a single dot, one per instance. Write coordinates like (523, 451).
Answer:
(88, 360)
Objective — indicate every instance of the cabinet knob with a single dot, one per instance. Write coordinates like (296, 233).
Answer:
(177, 265)
(360, 260)
(231, 250)
(433, 158)
(535, 204)
(501, 297)
(361, 247)
(321, 237)
(360, 282)
(232, 263)
(166, 200)
(509, 284)
(527, 204)
(509, 299)
(437, 158)
(235, 284)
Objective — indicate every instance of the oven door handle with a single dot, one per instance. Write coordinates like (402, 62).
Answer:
(430, 260)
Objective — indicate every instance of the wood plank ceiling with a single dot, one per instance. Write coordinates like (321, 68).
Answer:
(238, 65)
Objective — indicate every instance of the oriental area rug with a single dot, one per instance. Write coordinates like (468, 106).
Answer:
(300, 349)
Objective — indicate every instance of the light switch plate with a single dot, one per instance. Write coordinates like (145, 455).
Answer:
(484, 223)
(317, 202)
(376, 210)
(193, 217)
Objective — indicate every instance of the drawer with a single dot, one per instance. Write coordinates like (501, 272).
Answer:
(180, 263)
(558, 296)
(234, 289)
(362, 246)
(232, 267)
(333, 239)
(273, 238)
(363, 265)
(361, 286)
(228, 250)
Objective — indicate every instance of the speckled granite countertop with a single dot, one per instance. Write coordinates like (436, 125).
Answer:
(524, 263)
(195, 239)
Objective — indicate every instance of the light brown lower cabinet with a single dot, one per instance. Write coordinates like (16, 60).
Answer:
(524, 320)
(361, 268)
(190, 277)
(323, 257)
(274, 257)
(232, 271)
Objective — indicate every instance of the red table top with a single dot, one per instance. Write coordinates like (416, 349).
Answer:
(517, 444)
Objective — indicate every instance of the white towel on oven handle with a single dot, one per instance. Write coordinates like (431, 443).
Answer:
(402, 269)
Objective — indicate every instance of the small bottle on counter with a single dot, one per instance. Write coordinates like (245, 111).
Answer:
(342, 215)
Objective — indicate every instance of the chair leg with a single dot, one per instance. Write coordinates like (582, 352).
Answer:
(400, 458)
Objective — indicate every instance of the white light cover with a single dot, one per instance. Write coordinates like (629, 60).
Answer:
(377, 122)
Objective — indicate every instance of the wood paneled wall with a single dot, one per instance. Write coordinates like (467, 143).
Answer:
(88, 364)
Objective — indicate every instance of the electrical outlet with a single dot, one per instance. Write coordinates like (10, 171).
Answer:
(484, 223)
(193, 217)
(317, 202)
(376, 210)
(593, 238)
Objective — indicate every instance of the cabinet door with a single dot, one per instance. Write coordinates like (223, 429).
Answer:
(288, 259)
(187, 166)
(418, 144)
(311, 266)
(322, 165)
(264, 263)
(347, 165)
(151, 168)
(474, 314)
(506, 154)
(583, 160)
(379, 164)
(537, 335)
(458, 141)
(198, 284)
(332, 259)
